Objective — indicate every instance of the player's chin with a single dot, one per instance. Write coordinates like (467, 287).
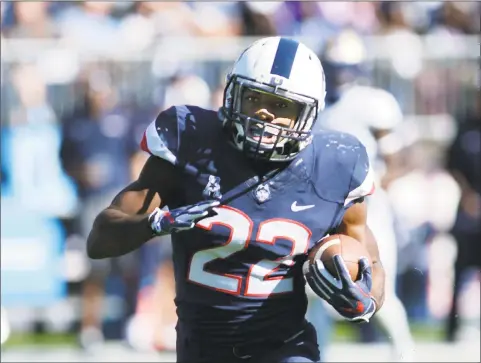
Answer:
(265, 140)
(256, 136)
(267, 137)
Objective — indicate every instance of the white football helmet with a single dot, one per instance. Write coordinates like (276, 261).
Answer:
(363, 111)
(282, 67)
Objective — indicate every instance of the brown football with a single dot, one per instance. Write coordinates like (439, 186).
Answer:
(350, 249)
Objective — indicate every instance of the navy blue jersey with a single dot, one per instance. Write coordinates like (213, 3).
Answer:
(238, 273)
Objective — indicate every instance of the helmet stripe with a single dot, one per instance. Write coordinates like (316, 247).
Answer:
(284, 58)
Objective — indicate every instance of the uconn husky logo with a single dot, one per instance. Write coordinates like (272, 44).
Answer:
(262, 193)
(212, 189)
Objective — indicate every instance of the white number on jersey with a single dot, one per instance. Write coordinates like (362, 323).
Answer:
(259, 281)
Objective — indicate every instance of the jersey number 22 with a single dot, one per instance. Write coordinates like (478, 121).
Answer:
(259, 282)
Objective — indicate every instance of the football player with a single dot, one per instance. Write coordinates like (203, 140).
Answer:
(250, 189)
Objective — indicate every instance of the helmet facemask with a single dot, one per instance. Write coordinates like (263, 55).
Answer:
(261, 139)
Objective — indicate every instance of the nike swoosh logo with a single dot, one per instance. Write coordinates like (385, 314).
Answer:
(298, 208)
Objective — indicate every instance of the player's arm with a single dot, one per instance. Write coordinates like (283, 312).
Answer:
(356, 301)
(124, 225)
(354, 225)
(134, 216)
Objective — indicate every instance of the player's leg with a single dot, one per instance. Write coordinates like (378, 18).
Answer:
(468, 255)
(92, 295)
(163, 294)
(453, 317)
(154, 298)
(319, 317)
(191, 348)
(392, 318)
(301, 348)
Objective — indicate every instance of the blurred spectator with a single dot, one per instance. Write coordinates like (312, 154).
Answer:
(391, 15)
(215, 19)
(98, 149)
(345, 63)
(36, 176)
(257, 17)
(456, 18)
(187, 89)
(359, 16)
(89, 26)
(32, 20)
(217, 99)
(3, 11)
(186, 18)
(138, 29)
(403, 46)
(464, 160)
(31, 95)
(424, 200)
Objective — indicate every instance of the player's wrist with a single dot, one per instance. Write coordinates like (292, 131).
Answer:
(374, 301)
(367, 315)
(155, 221)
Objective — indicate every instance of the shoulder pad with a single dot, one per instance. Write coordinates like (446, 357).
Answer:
(174, 132)
(341, 171)
(161, 138)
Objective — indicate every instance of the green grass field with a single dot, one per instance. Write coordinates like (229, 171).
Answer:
(343, 333)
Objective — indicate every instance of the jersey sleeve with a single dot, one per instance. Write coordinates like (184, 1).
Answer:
(342, 173)
(362, 180)
(162, 137)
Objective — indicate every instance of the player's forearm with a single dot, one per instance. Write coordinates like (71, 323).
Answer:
(378, 279)
(115, 233)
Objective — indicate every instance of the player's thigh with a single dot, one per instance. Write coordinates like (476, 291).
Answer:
(305, 353)
(319, 316)
(301, 349)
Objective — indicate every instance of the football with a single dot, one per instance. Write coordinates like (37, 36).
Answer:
(349, 248)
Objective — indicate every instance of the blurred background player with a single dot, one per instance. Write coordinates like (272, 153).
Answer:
(464, 160)
(100, 154)
(155, 310)
(372, 115)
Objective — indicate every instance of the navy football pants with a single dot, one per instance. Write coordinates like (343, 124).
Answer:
(301, 348)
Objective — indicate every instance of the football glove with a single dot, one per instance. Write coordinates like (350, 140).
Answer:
(352, 300)
(165, 222)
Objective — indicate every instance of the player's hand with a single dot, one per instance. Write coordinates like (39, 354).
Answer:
(180, 219)
(350, 299)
